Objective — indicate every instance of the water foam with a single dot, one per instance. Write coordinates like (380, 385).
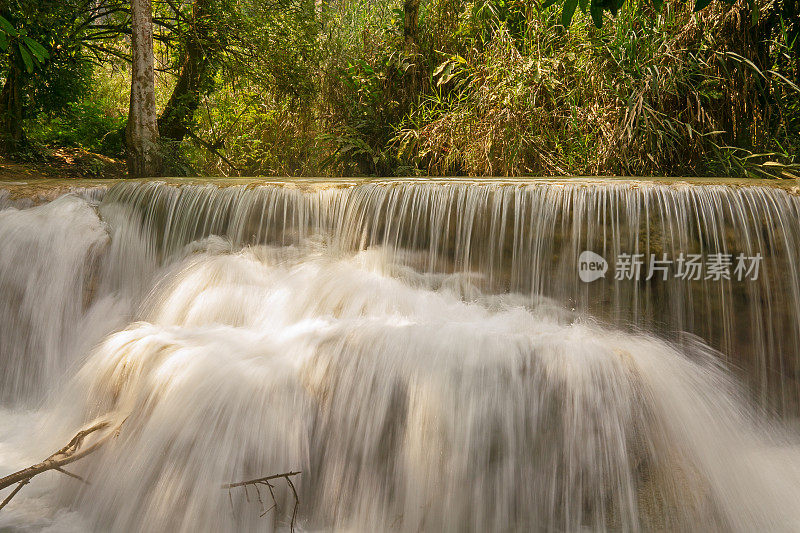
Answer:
(410, 399)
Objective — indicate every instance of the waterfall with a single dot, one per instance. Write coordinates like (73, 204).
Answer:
(428, 354)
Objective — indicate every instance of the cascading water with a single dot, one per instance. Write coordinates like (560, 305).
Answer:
(425, 353)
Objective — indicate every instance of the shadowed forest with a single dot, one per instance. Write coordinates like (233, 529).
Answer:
(414, 87)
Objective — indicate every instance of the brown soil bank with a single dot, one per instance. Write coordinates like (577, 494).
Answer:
(62, 163)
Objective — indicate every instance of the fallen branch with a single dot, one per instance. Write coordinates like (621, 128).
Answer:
(265, 481)
(66, 455)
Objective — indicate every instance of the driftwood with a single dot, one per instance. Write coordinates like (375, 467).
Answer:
(66, 455)
(265, 481)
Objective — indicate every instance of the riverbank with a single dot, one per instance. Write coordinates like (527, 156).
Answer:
(62, 163)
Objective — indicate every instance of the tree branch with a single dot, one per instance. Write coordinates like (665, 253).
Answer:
(66, 455)
(266, 482)
(259, 480)
(208, 146)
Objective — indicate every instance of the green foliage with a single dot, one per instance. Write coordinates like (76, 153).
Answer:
(21, 46)
(365, 86)
(500, 87)
(503, 87)
(49, 59)
(84, 125)
(256, 136)
(372, 100)
(64, 82)
(93, 119)
(259, 58)
(671, 96)
(271, 43)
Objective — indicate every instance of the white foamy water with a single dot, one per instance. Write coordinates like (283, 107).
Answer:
(411, 392)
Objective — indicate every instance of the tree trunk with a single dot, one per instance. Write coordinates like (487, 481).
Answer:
(195, 73)
(410, 23)
(12, 136)
(141, 134)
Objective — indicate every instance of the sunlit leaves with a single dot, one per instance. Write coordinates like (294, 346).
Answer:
(453, 67)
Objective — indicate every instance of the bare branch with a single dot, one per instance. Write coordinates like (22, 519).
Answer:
(70, 474)
(259, 480)
(14, 492)
(66, 455)
(266, 481)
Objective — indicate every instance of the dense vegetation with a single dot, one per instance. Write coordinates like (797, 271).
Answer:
(440, 87)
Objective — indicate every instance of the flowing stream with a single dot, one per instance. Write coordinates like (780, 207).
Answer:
(427, 354)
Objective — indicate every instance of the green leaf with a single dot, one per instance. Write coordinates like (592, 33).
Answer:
(26, 58)
(568, 12)
(700, 4)
(785, 80)
(36, 61)
(548, 3)
(37, 49)
(6, 26)
(596, 10)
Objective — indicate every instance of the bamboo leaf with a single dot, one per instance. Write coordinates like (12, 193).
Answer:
(440, 68)
(6, 27)
(26, 58)
(37, 49)
(568, 12)
(596, 10)
(785, 80)
(446, 75)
